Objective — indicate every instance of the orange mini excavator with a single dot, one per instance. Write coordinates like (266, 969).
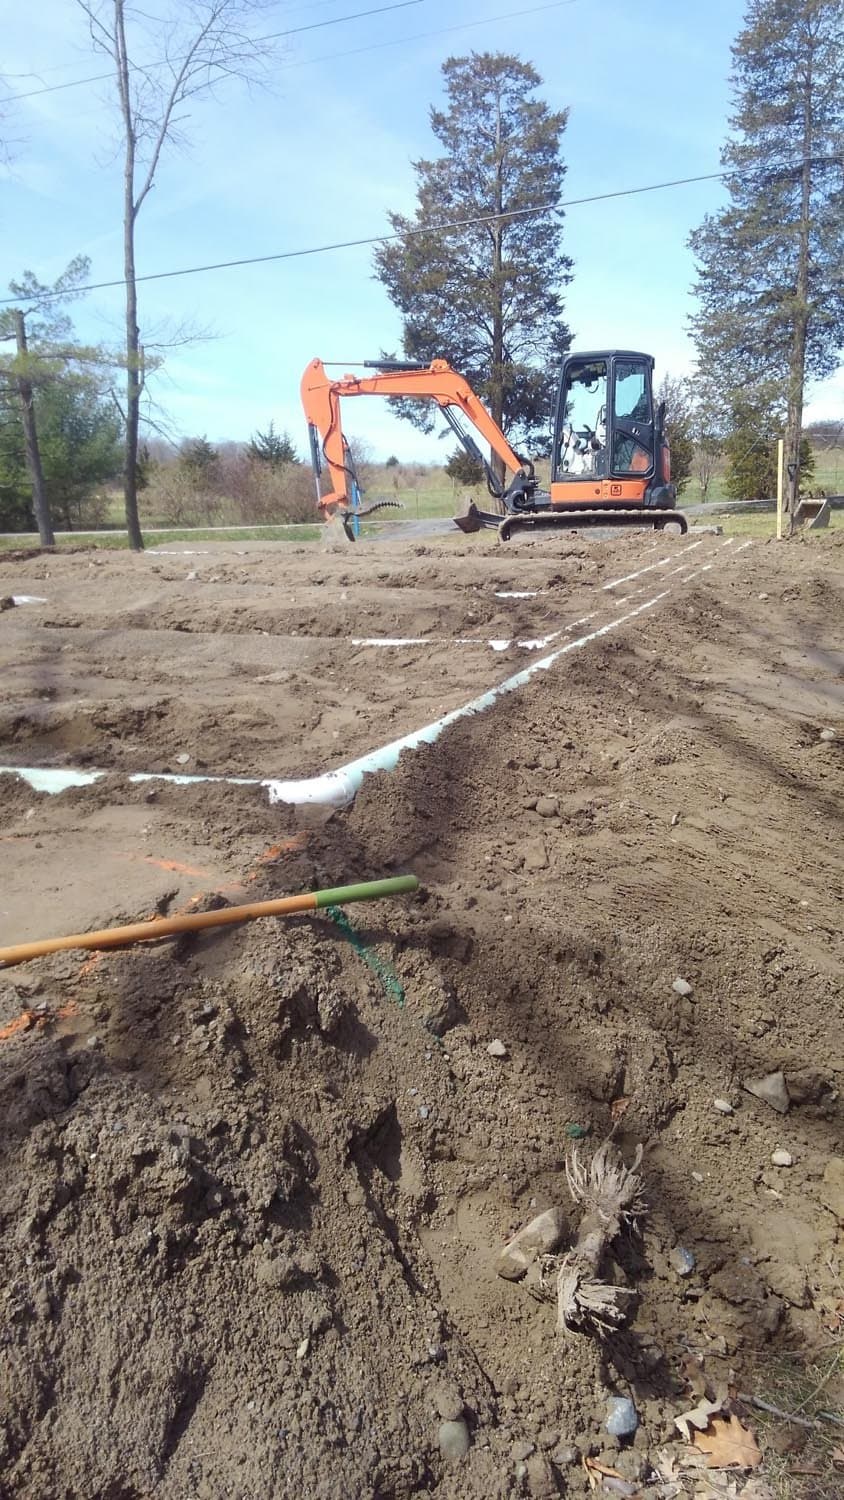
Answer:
(610, 464)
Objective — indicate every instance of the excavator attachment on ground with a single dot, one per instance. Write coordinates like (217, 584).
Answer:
(610, 463)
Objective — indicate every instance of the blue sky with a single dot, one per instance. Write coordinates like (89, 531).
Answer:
(325, 153)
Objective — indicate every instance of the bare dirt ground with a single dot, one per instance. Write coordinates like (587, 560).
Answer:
(255, 1184)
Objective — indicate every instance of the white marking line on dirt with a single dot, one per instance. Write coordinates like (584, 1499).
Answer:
(28, 599)
(650, 567)
(467, 640)
(518, 593)
(336, 788)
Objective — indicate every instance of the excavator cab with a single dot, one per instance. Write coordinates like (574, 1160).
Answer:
(609, 442)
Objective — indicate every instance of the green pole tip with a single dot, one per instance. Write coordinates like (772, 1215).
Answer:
(368, 890)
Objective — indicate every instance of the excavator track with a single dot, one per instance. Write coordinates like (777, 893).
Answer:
(571, 519)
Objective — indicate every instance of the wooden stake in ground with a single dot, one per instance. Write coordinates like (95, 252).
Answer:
(611, 1196)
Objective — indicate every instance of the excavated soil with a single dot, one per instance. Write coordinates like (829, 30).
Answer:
(255, 1182)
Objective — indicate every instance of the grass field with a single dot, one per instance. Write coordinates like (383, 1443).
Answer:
(427, 494)
(113, 540)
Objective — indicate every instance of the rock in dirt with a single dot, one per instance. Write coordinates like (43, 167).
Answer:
(622, 1417)
(831, 1192)
(782, 1158)
(453, 1440)
(547, 807)
(681, 986)
(542, 1235)
(449, 1402)
(539, 1475)
(682, 1260)
(827, 735)
(497, 1048)
(723, 1106)
(772, 1090)
(535, 855)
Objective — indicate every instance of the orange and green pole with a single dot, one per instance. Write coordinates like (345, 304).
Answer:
(142, 932)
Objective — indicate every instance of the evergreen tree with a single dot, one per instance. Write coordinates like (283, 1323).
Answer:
(771, 264)
(677, 396)
(488, 296)
(750, 450)
(198, 458)
(39, 350)
(80, 451)
(273, 448)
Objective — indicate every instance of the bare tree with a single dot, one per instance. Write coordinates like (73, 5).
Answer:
(198, 45)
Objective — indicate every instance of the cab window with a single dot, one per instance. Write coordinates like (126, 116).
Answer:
(631, 391)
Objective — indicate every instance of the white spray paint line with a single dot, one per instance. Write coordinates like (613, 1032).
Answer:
(460, 640)
(333, 788)
(651, 566)
(338, 788)
(178, 552)
(28, 599)
(519, 593)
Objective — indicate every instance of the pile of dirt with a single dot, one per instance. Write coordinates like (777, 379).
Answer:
(255, 1185)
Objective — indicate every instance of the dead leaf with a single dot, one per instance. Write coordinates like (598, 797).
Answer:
(728, 1445)
(618, 1109)
(838, 1455)
(701, 1415)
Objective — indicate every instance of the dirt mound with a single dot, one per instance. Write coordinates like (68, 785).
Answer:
(255, 1184)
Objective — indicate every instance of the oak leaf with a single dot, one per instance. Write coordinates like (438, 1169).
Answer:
(728, 1445)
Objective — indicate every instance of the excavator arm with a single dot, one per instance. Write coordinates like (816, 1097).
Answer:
(438, 382)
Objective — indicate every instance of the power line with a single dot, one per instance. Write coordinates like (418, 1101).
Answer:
(382, 239)
(424, 36)
(272, 36)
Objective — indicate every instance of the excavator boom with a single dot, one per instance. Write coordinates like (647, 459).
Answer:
(437, 382)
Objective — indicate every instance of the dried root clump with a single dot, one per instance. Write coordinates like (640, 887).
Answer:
(611, 1196)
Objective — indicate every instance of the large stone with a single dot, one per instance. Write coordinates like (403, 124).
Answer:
(453, 1439)
(772, 1090)
(622, 1417)
(542, 1235)
(535, 855)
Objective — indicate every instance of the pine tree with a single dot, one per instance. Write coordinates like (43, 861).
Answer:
(771, 264)
(273, 448)
(487, 297)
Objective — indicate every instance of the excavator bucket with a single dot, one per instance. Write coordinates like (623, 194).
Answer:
(471, 519)
(468, 519)
(813, 513)
(334, 532)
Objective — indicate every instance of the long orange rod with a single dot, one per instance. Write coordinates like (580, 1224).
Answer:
(141, 932)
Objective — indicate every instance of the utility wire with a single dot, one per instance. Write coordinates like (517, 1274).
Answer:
(383, 239)
(272, 36)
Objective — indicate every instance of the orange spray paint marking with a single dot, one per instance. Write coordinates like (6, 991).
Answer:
(29, 1021)
(174, 865)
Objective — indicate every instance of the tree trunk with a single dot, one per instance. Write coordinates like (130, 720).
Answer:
(797, 359)
(40, 503)
(134, 377)
(497, 370)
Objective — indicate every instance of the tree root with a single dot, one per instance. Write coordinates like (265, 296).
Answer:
(611, 1195)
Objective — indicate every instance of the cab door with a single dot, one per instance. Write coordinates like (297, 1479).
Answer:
(633, 425)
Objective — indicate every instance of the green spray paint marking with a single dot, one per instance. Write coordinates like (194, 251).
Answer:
(384, 971)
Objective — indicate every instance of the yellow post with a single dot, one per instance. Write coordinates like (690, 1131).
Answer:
(780, 485)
